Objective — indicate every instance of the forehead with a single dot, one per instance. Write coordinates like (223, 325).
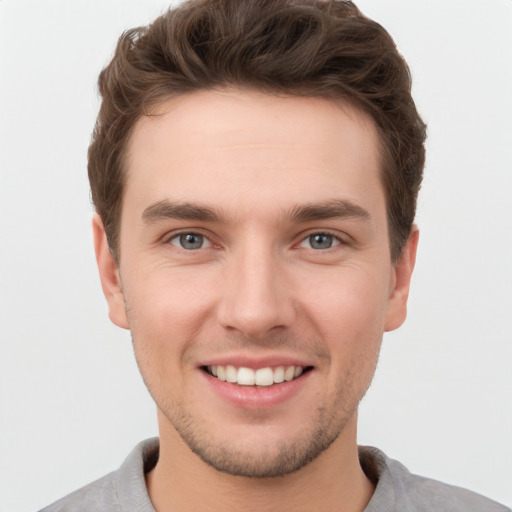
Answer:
(228, 146)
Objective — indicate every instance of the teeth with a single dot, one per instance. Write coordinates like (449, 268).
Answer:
(231, 374)
(264, 377)
(289, 373)
(261, 377)
(279, 375)
(245, 377)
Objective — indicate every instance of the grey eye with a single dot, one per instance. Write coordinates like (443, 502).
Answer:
(190, 241)
(321, 241)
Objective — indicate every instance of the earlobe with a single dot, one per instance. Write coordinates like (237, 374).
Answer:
(397, 305)
(109, 275)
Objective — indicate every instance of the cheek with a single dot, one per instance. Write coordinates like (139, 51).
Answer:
(350, 305)
(159, 324)
(160, 329)
(167, 302)
(167, 311)
(352, 321)
(348, 313)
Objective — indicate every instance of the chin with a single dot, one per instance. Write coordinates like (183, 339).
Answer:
(256, 455)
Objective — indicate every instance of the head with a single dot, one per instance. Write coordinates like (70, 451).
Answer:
(255, 168)
(300, 48)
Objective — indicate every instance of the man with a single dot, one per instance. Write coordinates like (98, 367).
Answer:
(255, 168)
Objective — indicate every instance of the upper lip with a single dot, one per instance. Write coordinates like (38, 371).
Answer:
(253, 362)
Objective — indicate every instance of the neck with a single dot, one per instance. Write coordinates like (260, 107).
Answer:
(334, 481)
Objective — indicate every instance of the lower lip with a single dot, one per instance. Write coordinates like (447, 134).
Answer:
(251, 397)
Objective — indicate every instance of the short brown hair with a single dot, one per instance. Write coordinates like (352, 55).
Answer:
(320, 48)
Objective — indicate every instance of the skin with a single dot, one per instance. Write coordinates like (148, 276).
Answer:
(256, 288)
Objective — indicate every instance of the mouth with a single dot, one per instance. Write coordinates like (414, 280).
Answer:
(260, 377)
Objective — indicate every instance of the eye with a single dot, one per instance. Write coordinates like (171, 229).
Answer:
(320, 241)
(190, 241)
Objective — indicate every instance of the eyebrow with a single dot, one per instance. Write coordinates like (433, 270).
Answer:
(333, 209)
(170, 210)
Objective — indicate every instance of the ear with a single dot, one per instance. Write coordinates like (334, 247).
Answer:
(400, 282)
(109, 275)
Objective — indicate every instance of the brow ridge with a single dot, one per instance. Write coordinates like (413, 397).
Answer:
(336, 208)
(300, 213)
(166, 209)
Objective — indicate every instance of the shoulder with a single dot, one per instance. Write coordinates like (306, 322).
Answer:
(124, 489)
(398, 489)
(99, 495)
(427, 494)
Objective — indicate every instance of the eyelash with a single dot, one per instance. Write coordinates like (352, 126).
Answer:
(178, 236)
(335, 239)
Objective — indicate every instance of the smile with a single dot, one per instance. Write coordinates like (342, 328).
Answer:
(260, 377)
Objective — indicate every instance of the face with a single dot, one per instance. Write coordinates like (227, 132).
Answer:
(255, 273)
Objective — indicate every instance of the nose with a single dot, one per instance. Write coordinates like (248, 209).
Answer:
(257, 297)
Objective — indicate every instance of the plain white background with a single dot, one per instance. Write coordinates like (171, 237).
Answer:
(72, 402)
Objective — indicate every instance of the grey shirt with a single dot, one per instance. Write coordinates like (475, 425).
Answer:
(397, 490)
